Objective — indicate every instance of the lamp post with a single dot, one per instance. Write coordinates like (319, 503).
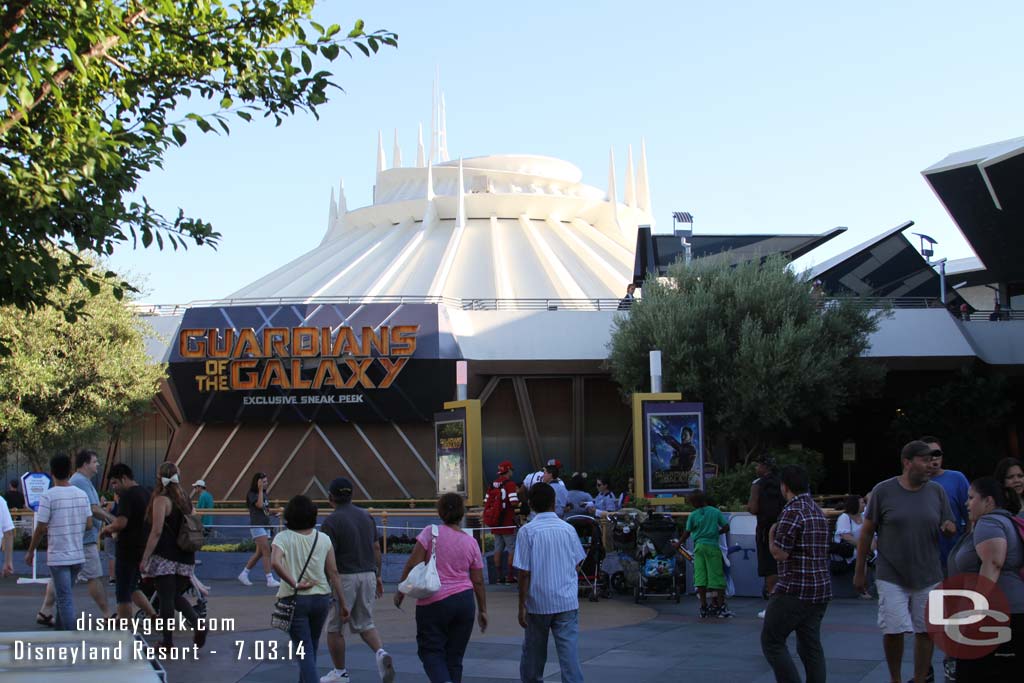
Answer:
(927, 251)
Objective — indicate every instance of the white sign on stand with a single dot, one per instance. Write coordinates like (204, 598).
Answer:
(33, 484)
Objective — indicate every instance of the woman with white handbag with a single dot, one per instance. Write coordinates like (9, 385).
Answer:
(443, 573)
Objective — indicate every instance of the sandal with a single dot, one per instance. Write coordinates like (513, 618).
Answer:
(44, 619)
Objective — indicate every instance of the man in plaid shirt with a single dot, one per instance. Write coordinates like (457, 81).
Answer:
(799, 543)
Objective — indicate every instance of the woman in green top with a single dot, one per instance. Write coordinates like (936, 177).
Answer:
(301, 545)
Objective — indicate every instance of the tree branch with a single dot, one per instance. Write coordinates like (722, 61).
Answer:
(11, 20)
(99, 49)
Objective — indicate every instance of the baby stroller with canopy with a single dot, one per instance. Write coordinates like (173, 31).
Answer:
(592, 581)
(661, 573)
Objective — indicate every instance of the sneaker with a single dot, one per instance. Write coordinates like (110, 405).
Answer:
(111, 580)
(512, 581)
(500, 581)
(724, 612)
(760, 615)
(385, 667)
(930, 678)
(704, 612)
(244, 578)
(272, 582)
(335, 676)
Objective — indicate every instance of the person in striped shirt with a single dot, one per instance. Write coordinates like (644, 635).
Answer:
(63, 516)
(548, 551)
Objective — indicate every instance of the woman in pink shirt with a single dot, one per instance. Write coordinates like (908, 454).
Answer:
(444, 621)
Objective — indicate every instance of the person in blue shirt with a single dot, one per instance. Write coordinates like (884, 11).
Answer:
(956, 486)
(205, 502)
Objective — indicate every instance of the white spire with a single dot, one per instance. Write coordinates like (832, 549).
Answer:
(421, 160)
(460, 216)
(630, 185)
(382, 161)
(342, 202)
(444, 132)
(433, 118)
(611, 185)
(332, 212)
(643, 188)
(396, 153)
(430, 180)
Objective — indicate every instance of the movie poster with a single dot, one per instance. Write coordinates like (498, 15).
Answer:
(673, 448)
(450, 444)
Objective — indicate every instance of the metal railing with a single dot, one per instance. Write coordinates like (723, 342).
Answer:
(496, 304)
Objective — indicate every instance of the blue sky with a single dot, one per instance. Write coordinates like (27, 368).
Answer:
(758, 117)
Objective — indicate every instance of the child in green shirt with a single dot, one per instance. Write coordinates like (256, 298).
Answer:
(705, 524)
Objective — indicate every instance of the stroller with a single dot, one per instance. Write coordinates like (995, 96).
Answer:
(661, 574)
(591, 580)
(621, 531)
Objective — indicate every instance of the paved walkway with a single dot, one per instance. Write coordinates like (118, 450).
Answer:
(658, 641)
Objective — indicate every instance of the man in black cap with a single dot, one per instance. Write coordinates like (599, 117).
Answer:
(909, 513)
(766, 504)
(354, 535)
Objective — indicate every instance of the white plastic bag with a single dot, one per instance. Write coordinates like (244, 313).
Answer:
(423, 580)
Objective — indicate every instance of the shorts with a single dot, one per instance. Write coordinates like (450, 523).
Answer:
(126, 579)
(707, 567)
(92, 568)
(360, 591)
(505, 543)
(256, 532)
(901, 610)
(766, 564)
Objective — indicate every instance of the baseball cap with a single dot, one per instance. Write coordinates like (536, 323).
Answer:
(505, 466)
(916, 448)
(341, 488)
(555, 463)
(200, 483)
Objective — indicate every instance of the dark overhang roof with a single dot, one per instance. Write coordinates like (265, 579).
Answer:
(655, 253)
(887, 265)
(983, 191)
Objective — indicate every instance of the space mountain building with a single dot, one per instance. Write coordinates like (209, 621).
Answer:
(335, 363)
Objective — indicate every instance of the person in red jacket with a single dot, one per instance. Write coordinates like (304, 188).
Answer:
(500, 510)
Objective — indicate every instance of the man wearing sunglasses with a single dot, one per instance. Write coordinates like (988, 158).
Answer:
(956, 486)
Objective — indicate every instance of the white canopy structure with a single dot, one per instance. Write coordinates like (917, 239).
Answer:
(492, 227)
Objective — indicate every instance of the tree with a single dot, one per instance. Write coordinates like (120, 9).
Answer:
(65, 384)
(94, 92)
(750, 342)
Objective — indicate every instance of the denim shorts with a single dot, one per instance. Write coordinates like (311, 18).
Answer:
(256, 532)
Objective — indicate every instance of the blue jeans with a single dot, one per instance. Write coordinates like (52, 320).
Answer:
(63, 578)
(564, 626)
(443, 629)
(307, 623)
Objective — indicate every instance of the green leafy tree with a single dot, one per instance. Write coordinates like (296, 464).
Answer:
(751, 343)
(94, 92)
(67, 384)
(968, 413)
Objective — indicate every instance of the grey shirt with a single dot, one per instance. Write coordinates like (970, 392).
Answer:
(908, 532)
(963, 559)
(81, 481)
(354, 534)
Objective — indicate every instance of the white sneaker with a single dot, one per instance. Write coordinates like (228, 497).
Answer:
(244, 578)
(760, 615)
(272, 582)
(385, 667)
(335, 676)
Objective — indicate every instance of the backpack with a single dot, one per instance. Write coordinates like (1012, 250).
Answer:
(495, 504)
(190, 533)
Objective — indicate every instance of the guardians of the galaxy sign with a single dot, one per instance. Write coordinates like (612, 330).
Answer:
(673, 448)
(309, 363)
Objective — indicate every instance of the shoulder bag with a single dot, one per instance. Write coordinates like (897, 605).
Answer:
(423, 580)
(284, 608)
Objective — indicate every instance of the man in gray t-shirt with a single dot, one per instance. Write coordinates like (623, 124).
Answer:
(908, 513)
(354, 535)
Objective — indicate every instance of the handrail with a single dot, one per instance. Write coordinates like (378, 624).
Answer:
(496, 304)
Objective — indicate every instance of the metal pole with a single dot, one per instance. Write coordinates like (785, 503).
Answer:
(461, 380)
(942, 281)
(655, 372)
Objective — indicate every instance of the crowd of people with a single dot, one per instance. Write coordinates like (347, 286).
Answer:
(916, 528)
